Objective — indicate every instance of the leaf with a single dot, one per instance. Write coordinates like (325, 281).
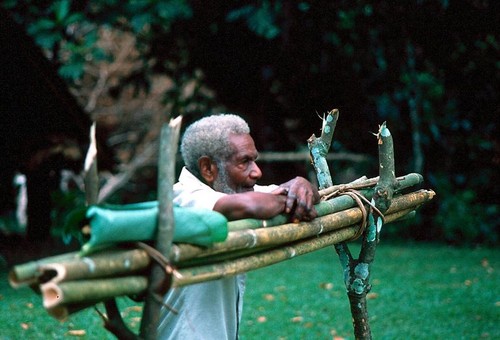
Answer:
(139, 21)
(72, 71)
(74, 18)
(41, 25)
(61, 10)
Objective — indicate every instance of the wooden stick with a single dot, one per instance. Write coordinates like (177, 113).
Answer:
(159, 280)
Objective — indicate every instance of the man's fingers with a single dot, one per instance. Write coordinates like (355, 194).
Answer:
(280, 191)
(290, 202)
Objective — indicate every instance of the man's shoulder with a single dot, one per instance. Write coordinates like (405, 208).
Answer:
(189, 191)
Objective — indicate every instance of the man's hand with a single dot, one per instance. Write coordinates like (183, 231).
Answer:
(301, 196)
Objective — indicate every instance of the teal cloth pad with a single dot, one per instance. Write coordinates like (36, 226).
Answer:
(138, 222)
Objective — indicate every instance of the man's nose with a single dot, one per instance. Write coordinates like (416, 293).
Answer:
(255, 173)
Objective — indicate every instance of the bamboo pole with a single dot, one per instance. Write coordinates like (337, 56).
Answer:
(290, 232)
(214, 271)
(260, 260)
(110, 263)
(120, 262)
(230, 255)
(28, 273)
(331, 205)
(62, 312)
(406, 181)
(64, 298)
(71, 292)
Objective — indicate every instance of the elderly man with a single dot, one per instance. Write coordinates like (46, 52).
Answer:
(220, 173)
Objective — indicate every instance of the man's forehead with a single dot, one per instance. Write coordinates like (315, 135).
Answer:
(243, 144)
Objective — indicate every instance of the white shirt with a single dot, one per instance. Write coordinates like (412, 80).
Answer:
(209, 310)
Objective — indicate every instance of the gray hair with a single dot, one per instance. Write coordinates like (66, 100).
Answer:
(209, 136)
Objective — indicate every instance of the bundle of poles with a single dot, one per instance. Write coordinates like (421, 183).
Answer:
(71, 282)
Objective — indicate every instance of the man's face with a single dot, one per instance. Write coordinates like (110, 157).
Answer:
(240, 172)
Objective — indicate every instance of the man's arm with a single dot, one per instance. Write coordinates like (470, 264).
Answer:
(251, 205)
(295, 197)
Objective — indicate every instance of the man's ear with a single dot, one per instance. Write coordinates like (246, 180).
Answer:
(208, 169)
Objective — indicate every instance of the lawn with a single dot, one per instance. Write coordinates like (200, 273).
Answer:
(419, 291)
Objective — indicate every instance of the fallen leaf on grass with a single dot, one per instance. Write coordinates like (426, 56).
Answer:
(371, 296)
(326, 285)
(77, 332)
(333, 333)
(297, 319)
(269, 297)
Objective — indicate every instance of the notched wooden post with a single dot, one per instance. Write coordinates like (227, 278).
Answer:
(113, 321)
(159, 280)
(357, 271)
(358, 285)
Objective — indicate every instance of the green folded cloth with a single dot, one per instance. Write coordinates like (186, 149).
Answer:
(112, 224)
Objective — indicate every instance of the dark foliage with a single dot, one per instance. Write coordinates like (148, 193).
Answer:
(428, 68)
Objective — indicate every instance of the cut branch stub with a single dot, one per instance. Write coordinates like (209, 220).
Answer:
(387, 183)
(319, 147)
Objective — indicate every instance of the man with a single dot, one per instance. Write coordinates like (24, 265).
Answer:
(220, 173)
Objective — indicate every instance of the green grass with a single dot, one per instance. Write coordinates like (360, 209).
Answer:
(419, 291)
